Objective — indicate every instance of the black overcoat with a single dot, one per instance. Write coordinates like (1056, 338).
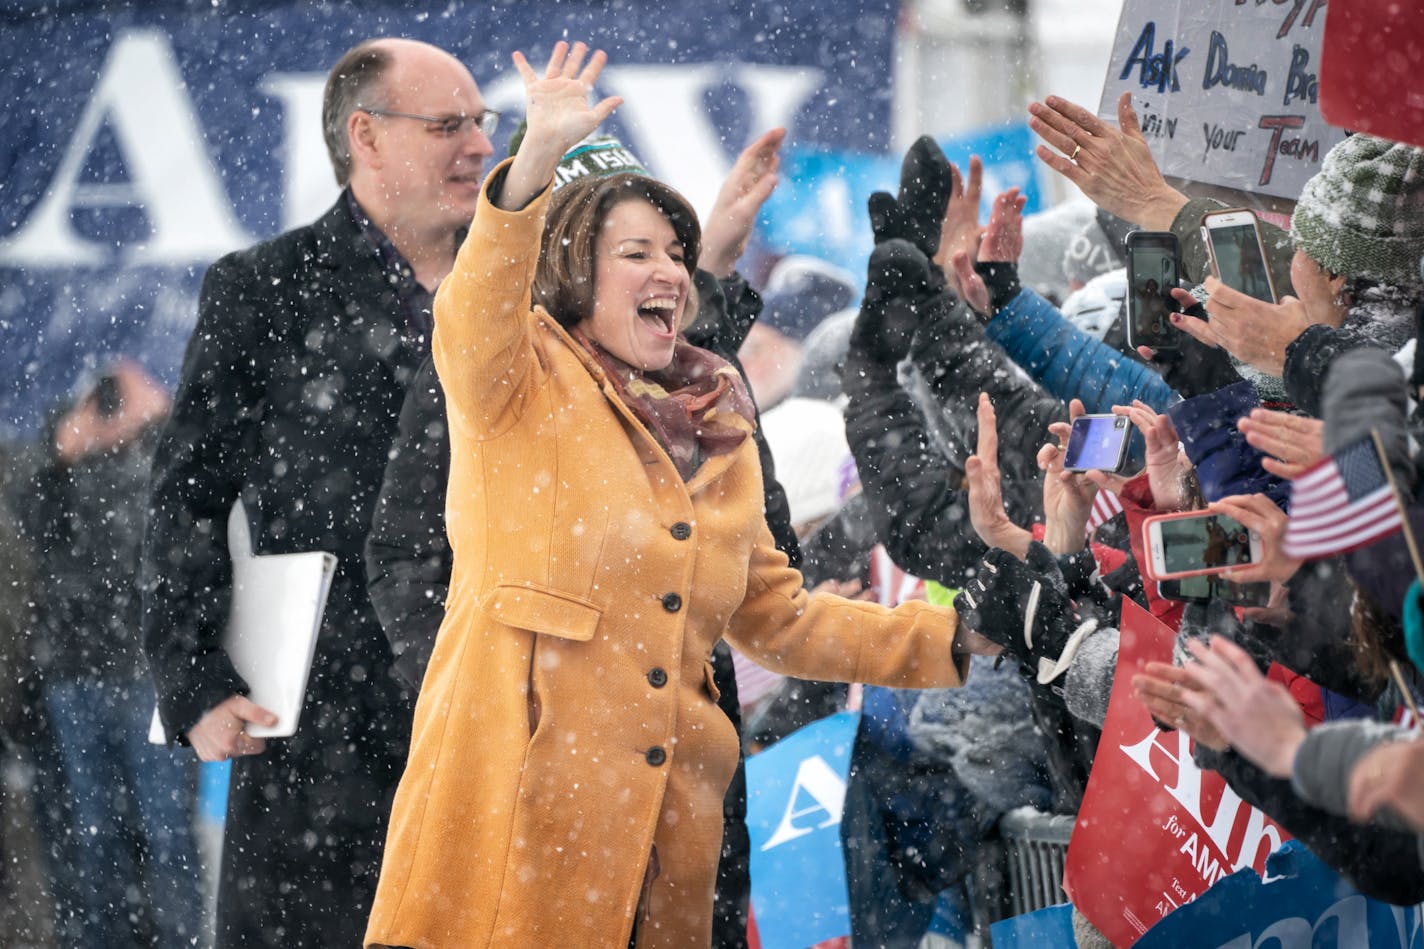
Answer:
(290, 390)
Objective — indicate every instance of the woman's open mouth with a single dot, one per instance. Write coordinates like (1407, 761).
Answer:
(660, 315)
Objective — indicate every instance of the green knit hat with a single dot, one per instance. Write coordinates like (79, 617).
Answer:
(1362, 214)
(595, 155)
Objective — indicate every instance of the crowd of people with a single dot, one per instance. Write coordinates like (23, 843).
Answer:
(580, 574)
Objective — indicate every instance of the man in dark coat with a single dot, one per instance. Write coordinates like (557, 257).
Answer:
(289, 396)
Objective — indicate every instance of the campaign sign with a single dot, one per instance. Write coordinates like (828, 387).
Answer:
(1226, 91)
(795, 796)
(1299, 902)
(1050, 926)
(1154, 831)
(820, 206)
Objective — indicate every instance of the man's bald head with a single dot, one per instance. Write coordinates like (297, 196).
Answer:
(360, 80)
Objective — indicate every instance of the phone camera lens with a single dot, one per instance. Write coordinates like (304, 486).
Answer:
(1119, 422)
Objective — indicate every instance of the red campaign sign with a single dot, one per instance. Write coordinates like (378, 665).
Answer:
(1154, 831)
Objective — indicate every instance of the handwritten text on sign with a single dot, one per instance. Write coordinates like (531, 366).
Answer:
(1225, 90)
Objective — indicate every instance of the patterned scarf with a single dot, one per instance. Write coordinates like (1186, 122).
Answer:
(696, 408)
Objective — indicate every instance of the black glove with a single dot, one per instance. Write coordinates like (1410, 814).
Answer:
(1001, 279)
(1026, 612)
(902, 288)
(926, 181)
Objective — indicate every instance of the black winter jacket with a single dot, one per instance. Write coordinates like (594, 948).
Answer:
(915, 485)
(289, 394)
(85, 524)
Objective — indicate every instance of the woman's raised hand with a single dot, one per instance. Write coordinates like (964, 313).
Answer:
(1113, 166)
(558, 115)
(985, 493)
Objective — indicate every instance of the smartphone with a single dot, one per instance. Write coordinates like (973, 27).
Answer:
(1195, 543)
(1237, 253)
(107, 396)
(1242, 594)
(1204, 588)
(1097, 442)
(1187, 589)
(1151, 275)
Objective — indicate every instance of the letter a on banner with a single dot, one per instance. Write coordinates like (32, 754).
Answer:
(140, 95)
(816, 790)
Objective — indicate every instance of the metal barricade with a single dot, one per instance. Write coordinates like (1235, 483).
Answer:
(1035, 845)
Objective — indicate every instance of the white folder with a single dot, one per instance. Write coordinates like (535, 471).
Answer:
(277, 604)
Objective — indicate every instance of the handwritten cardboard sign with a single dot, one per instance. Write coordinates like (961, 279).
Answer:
(1226, 90)
(1154, 831)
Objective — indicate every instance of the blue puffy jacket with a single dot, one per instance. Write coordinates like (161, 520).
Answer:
(1069, 363)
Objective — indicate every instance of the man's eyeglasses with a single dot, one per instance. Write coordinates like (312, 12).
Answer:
(449, 125)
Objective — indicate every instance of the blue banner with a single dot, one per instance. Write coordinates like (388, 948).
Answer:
(795, 795)
(140, 142)
(1299, 902)
(1051, 926)
(819, 209)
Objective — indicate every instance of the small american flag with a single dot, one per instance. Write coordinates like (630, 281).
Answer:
(1341, 503)
(1106, 506)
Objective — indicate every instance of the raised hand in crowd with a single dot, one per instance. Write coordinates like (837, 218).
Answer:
(927, 179)
(124, 403)
(1167, 466)
(985, 287)
(1252, 330)
(1067, 495)
(961, 230)
(1389, 776)
(1114, 167)
(1160, 686)
(901, 289)
(558, 116)
(729, 224)
(1256, 716)
(983, 478)
(1293, 442)
(1260, 514)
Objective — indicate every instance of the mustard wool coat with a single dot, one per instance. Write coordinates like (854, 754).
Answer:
(569, 760)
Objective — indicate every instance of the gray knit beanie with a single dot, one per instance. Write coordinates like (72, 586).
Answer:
(1362, 214)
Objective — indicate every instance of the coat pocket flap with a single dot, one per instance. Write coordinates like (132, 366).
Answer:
(543, 611)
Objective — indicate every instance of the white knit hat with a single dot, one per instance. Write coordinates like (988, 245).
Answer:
(808, 447)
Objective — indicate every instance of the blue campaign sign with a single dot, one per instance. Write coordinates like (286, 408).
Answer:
(819, 208)
(795, 795)
(142, 141)
(1300, 902)
(1050, 926)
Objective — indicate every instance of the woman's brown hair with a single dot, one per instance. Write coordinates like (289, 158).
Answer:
(563, 281)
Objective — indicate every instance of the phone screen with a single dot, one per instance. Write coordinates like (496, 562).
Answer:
(1097, 441)
(1152, 273)
(1193, 589)
(1239, 263)
(1196, 543)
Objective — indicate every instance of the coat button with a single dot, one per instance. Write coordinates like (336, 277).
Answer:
(656, 756)
(672, 602)
(681, 530)
(657, 678)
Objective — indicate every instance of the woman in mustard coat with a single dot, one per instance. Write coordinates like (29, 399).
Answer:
(566, 774)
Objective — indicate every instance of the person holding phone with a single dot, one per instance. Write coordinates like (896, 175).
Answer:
(1348, 269)
(605, 514)
(1358, 230)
